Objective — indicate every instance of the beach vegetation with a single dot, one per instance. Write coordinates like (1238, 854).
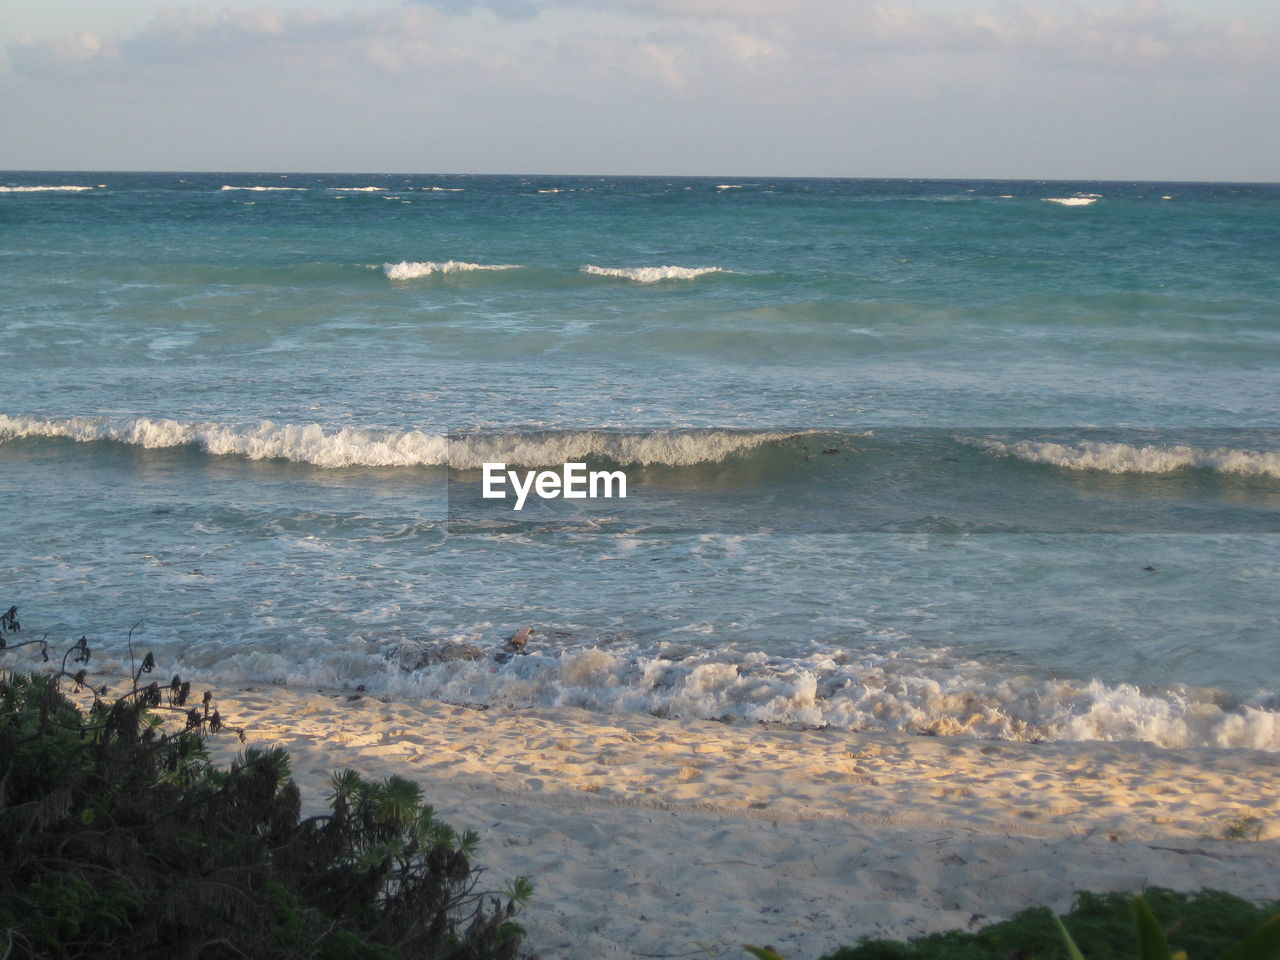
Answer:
(1204, 925)
(120, 838)
(1243, 828)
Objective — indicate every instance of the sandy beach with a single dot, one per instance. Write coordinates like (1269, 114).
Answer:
(663, 838)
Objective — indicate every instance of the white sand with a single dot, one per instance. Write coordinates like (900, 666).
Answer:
(668, 838)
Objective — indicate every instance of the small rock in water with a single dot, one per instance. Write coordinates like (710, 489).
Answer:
(518, 640)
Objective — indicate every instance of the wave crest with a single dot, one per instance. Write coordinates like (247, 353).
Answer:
(652, 274)
(412, 269)
(348, 446)
(670, 448)
(307, 443)
(263, 189)
(1072, 201)
(69, 188)
(1125, 458)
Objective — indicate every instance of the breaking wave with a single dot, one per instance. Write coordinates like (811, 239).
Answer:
(348, 446)
(264, 189)
(1072, 201)
(61, 189)
(671, 448)
(354, 446)
(925, 692)
(301, 443)
(357, 189)
(412, 269)
(652, 274)
(1126, 458)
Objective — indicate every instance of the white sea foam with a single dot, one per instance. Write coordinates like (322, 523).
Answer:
(553, 190)
(652, 274)
(263, 189)
(442, 189)
(307, 443)
(729, 186)
(1124, 458)
(54, 189)
(357, 189)
(348, 446)
(652, 448)
(412, 269)
(907, 691)
(1072, 201)
(904, 690)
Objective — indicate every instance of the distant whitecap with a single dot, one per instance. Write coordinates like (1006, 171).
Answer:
(652, 274)
(56, 189)
(262, 189)
(412, 269)
(1148, 458)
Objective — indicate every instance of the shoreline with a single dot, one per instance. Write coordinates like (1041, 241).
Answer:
(655, 837)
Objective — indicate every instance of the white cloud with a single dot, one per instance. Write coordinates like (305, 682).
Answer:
(719, 84)
(1140, 36)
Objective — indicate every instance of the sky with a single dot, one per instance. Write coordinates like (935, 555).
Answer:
(1039, 89)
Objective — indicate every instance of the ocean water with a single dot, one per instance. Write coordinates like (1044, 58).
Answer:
(957, 457)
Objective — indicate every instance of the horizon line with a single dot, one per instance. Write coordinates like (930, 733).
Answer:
(644, 176)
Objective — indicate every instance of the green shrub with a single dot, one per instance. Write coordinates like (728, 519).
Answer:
(118, 838)
(1204, 924)
(1100, 926)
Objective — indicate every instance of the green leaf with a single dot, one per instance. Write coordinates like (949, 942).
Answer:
(1152, 944)
(1262, 944)
(763, 953)
(520, 891)
(397, 801)
(346, 784)
(1072, 950)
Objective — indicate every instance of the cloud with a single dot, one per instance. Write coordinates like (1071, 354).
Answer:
(736, 79)
(183, 45)
(818, 35)
(509, 9)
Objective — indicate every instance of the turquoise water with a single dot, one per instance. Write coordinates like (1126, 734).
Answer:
(901, 452)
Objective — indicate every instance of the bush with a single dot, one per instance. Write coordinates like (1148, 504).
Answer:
(118, 838)
(1205, 924)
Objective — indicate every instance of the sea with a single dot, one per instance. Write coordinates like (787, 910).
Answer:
(983, 458)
